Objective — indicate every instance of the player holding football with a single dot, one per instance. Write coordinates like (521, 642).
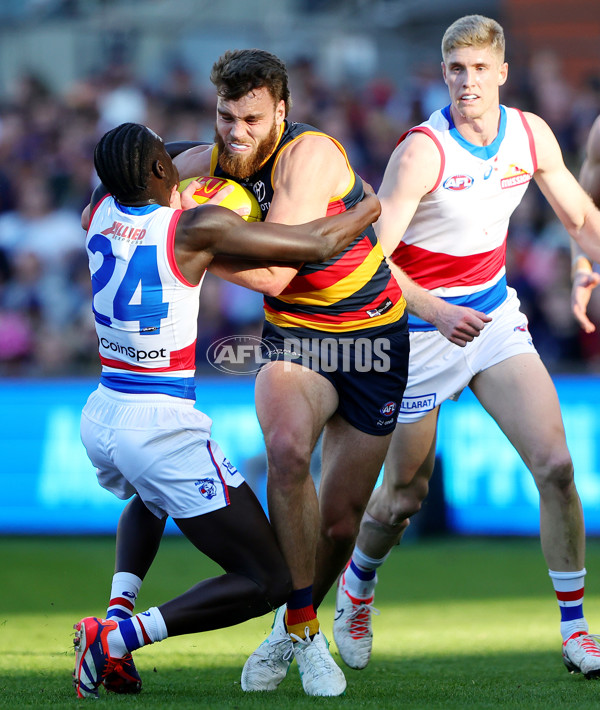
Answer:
(351, 306)
(352, 301)
(140, 428)
(447, 195)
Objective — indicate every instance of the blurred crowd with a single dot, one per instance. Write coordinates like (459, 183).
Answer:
(47, 175)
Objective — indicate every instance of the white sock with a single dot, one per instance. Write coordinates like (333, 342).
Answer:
(123, 594)
(142, 629)
(360, 577)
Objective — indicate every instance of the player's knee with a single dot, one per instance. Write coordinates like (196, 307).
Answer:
(341, 530)
(403, 508)
(555, 473)
(288, 456)
(406, 502)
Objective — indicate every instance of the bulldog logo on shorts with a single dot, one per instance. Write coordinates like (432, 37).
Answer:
(206, 488)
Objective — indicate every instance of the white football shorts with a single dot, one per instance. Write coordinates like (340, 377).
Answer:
(439, 370)
(158, 447)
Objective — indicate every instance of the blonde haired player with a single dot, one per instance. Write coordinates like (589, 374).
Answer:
(447, 195)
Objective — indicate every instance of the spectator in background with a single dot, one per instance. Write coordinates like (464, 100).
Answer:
(51, 136)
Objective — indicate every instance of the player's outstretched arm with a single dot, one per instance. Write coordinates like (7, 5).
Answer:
(219, 231)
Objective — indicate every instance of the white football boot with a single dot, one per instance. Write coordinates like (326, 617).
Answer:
(581, 654)
(319, 673)
(269, 664)
(352, 629)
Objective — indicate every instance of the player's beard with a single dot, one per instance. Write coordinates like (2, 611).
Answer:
(242, 166)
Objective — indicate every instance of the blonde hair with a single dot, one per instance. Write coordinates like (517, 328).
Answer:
(474, 31)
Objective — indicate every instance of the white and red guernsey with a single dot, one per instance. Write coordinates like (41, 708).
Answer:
(142, 304)
(455, 245)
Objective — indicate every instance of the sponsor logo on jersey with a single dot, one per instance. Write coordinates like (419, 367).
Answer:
(388, 409)
(206, 487)
(232, 470)
(458, 182)
(259, 190)
(381, 309)
(132, 353)
(423, 403)
(124, 232)
(514, 177)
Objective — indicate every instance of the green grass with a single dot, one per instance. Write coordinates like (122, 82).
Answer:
(463, 624)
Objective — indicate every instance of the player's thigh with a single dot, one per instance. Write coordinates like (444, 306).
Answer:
(293, 403)
(520, 395)
(238, 537)
(351, 462)
(411, 451)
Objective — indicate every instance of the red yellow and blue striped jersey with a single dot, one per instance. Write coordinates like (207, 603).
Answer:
(355, 289)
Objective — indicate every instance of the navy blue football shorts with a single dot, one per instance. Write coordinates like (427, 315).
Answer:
(368, 368)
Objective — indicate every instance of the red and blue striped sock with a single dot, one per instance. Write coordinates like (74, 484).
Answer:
(569, 588)
(123, 594)
(360, 576)
(141, 630)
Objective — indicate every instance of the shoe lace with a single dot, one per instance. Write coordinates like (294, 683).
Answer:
(359, 619)
(315, 661)
(114, 665)
(589, 643)
(280, 649)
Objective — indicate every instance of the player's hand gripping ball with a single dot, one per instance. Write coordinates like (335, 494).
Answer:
(238, 198)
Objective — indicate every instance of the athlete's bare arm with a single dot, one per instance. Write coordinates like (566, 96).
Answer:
(209, 230)
(411, 173)
(584, 278)
(309, 173)
(194, 162)
(572, 205)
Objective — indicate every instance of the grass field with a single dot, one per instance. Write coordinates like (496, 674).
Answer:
(463, 624)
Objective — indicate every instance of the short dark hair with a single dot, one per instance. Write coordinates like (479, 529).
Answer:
(123, 160)
(239, 71)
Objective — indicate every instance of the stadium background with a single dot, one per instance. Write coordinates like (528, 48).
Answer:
(361, 70)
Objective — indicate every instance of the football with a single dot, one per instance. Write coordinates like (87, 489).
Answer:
(240, 197)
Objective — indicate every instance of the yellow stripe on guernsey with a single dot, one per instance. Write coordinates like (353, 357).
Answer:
(343, 288)
(352, 291)
(287, 320)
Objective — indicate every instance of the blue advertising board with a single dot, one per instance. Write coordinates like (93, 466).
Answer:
(48, 485)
